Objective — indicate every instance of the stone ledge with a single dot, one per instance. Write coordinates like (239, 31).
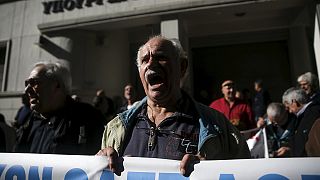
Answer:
(11, 94)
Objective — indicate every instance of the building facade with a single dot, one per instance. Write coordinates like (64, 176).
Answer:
(241, 40)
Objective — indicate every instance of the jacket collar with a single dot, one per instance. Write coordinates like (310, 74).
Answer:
(207, 119)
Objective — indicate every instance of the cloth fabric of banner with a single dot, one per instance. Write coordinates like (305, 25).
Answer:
(69, 167)
(257, 146)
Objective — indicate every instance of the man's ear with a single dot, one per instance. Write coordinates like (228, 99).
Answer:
(183, 66)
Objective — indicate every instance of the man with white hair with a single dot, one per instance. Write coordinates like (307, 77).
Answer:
(310, 84)
(58, 124)
(168, 123)
(279, 129)
(296, 101)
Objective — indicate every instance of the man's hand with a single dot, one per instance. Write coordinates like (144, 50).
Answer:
(115, 163)
(260, 122)
(282, 151)
(187, 164)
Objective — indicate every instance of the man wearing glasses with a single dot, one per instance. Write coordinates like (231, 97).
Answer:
(296, 101)
(58, 124)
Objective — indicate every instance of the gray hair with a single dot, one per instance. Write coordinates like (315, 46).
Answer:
(276, 110)
(57, 72)
(310, 79)
(296, 94)
(179, 52)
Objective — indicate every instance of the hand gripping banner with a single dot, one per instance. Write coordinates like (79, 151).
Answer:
(75, 167)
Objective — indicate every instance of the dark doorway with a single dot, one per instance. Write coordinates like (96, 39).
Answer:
(243, 63)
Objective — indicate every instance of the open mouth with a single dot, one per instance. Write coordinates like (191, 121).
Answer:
(154, 78)
(33, 99)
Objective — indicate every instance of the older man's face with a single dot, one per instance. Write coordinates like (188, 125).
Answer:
(280, 120)
(292, 107)
(40, 90)
(228, 90)
(159, 70)
(129, 92)
(305, 86)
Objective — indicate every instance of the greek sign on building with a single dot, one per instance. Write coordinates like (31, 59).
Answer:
(59, 6)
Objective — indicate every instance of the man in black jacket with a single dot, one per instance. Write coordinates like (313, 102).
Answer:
(58, 124)
(296, 101)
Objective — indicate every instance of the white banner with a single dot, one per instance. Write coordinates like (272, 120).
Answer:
(67, 167)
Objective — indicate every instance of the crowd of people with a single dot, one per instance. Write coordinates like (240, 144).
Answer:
(168, 123)
(291, 125)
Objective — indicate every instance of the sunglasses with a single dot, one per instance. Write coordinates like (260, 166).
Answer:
(33, 82)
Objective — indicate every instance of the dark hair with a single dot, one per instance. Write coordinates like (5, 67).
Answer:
(259, 82)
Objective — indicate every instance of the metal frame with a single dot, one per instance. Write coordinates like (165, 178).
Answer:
(7, 44)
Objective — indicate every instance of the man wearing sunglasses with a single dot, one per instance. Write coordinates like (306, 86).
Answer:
(58, 124)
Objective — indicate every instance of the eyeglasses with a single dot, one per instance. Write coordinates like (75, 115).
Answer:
(33, 82)
(303, 84)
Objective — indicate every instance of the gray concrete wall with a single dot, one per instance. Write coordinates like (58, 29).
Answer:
(102, 68)
(18, 22)
(93, 65)
(105, 64)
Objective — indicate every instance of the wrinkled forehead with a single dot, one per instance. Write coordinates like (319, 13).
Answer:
(158, 45)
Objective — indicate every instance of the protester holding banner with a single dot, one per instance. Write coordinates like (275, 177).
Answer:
(279, 130)
(296, 100)
(278, 125)
(58, 124)
(168, 123)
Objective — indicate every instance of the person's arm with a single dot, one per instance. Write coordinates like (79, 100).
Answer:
(282, 152)
(187, 164)
(115, 163)
(110, 147)
(261, 122)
